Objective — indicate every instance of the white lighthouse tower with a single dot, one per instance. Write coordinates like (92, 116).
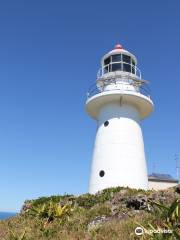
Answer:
(118, 102)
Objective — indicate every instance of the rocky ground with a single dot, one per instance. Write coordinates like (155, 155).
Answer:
(110, 214)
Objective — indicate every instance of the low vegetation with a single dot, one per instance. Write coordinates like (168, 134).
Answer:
(111, 214)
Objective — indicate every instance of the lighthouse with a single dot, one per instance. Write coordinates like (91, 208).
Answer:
(118, 101)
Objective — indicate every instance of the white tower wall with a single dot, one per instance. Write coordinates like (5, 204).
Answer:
(118, 150)
(118, 103)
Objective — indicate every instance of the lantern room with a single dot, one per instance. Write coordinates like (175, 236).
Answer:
(119, 59)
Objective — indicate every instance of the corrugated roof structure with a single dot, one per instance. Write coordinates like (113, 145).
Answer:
(161, 177)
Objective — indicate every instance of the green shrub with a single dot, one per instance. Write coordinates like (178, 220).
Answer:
(165, 217)
(14, 236)
(86, 200)
(90, 200)
(49, 211)
(54, 199)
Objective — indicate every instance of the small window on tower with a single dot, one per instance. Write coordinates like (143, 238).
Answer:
(106, 123)
(101, 173)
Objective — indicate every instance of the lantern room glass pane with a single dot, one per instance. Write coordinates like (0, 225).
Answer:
(107, 61)
(126, 58)
(133, 69)
(110, 67)
(116, 67)
(126, 67)
(116, 58)
(133, 62)
(106, 70)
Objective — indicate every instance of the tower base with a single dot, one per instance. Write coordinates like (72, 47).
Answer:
(118, 157)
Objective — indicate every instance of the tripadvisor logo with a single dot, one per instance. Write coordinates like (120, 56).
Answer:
(139, 231)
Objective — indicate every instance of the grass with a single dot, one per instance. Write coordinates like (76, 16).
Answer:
(70, 217)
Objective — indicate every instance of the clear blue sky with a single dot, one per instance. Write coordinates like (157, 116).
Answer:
(49, 56)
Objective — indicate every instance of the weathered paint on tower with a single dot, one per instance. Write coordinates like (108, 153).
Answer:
(118, 103)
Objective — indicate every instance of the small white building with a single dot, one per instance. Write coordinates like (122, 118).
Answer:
(158, 181)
